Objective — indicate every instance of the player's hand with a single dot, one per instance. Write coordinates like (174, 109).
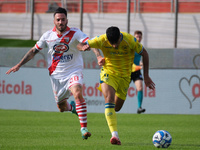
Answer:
(13, 69)
(101, 60)
(86, 47)
(149, 83)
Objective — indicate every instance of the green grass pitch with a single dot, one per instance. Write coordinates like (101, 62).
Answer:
(31, 130)
(16, 43)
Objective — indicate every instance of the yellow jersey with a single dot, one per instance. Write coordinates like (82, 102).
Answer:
(118, 61)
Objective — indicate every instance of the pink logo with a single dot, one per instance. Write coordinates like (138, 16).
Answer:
(20, 88)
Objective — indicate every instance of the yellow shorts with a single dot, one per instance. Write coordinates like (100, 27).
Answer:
(120, 84)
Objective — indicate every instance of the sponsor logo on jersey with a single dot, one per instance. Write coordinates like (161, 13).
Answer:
(66, 58)
(118, 53)
(63, 58)
(60, 48)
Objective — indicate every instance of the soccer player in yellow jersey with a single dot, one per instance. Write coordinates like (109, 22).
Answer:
(118, 49)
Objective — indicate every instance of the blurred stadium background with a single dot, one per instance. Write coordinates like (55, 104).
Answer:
(169, 26)
(165, 23)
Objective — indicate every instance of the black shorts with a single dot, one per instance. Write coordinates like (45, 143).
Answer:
(136, 76)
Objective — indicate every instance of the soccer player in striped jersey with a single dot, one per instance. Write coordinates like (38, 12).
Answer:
(119, 50)
(65, 65)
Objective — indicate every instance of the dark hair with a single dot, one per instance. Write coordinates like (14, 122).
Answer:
(138, 32)
(113, 34)
(60, 10)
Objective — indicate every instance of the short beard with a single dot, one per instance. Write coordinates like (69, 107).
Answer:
(62, 30)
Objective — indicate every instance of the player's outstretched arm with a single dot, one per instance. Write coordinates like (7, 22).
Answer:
(147, 80)
(28, 56)
(100, 59)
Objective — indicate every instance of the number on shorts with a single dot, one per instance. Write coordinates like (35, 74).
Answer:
(74, 78)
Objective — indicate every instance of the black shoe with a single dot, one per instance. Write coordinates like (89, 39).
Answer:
(141, 110)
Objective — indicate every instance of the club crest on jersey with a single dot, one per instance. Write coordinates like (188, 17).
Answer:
(60, 48)
(66, 39)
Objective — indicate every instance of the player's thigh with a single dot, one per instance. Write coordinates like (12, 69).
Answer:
(60, 90)
(109, 79)
(75, 85)
(122, 88)
(108, 92)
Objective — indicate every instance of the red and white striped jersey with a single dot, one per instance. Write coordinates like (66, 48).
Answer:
(63, 57)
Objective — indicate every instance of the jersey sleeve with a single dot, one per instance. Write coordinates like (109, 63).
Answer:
(41, 43)
(96, 42)
(81, 37)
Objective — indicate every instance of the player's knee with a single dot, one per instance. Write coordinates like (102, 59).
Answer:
(61, 108)
(139, 89)
(117, 109)
(78, 95)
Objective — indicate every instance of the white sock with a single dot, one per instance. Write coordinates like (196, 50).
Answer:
(83, 128)
(115, 134)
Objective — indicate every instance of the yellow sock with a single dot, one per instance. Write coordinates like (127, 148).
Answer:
(111, 117)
